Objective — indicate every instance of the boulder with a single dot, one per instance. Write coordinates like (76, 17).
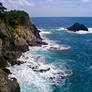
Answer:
(18, 62)
(77, 27)
(39, 68)
(6, 71)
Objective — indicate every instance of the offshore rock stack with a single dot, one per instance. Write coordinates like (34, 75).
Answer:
(77, 27)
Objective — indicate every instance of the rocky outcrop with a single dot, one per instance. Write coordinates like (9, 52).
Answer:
(38, 68)
(13, 43)
(16, 34)
(77, 27)
(8, 85)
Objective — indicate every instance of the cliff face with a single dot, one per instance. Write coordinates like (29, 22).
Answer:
(13, 43)
(16, 34)
(8, 85)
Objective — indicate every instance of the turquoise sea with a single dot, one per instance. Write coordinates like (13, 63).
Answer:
(68, 55)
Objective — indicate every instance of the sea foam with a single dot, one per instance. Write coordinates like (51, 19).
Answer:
(28, 79)
(82, 31)
(31, 80)
(61, 28)
(78, 32)
(85, 32)
(52, 45)
(37, 81)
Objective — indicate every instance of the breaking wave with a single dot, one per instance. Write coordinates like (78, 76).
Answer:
(78, 32)
(61, 28)
(37, 76)
(52, 45)
(82, 31)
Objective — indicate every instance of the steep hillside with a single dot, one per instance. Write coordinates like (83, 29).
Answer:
(16, 34)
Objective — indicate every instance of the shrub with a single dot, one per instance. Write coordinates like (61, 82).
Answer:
(15, 18)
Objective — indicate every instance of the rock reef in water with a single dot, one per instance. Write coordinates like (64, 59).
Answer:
(77, 27)
(39, 68)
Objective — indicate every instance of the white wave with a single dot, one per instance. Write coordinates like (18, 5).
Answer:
(37, 80)
(78, 32)
(31, 80)
(52, 45)
(61, 28)
(82, 31)
(44, 32)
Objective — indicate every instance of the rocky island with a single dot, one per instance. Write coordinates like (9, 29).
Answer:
(17, 33)
(77, 27)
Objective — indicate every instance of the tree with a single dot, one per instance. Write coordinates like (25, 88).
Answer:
(2, 8)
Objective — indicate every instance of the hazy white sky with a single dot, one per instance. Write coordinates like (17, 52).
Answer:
(45, 8)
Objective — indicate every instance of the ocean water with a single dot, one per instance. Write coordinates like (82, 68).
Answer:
(68, 55)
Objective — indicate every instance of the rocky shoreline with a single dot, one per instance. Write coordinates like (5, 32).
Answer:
(6, 84)
(13, 42)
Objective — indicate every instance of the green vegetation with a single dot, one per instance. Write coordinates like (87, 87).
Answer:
(9, 22)
(14, 18)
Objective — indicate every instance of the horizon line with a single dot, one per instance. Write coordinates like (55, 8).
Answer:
(62, 16)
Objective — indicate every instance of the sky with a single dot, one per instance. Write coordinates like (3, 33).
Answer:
(52, 8)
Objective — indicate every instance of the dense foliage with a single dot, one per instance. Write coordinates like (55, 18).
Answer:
(13, 18)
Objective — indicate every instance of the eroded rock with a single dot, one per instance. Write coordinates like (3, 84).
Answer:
(8, 85)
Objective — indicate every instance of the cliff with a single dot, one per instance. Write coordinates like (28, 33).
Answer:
(17, 32)
(16, 39)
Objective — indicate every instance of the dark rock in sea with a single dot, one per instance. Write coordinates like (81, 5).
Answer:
(37, 69)
(7, 71)
(44, 70)
(18, 62)
(41, 70)
(77, 27)
(54, 48)
(44, 43)
(38, 43)
(8, 85)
